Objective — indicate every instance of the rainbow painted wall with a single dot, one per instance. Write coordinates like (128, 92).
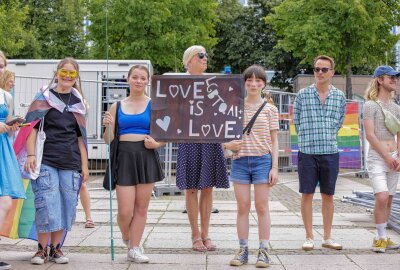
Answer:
(349, 140)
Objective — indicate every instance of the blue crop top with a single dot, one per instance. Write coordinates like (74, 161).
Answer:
(134, 123)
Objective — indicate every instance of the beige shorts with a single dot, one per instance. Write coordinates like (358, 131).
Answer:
(382, 178)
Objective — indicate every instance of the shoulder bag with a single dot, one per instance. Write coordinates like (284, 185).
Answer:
(113, 157)
(228, 153)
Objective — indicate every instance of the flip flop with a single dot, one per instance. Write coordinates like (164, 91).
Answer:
(210, 246)
(200, 248)
(89, 224)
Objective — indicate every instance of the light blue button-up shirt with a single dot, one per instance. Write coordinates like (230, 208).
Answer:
(316, 124)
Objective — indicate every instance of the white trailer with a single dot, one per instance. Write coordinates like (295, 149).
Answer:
(31, 75)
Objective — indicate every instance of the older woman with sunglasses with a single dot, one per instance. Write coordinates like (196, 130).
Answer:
(200, 167)
(64, 164)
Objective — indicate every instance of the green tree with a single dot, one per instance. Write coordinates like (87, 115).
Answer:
(58, 26)
(156, 30)
(354, 32)
(14, 37)
(243, 36)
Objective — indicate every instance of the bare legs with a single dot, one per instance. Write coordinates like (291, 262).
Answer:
(133, 202)
(243, 199)
(5, 205)
(194, 206)
(85, 201)
(327, 214)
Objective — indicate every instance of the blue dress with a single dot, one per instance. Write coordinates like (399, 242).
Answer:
(10, 176)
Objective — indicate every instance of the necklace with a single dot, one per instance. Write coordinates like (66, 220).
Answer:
(67, 107)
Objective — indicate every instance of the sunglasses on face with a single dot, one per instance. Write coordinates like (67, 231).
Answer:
(202, 55)
(63, 73)
(324, 70)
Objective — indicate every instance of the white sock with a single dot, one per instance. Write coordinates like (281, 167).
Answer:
(380, 231)
(264, 243)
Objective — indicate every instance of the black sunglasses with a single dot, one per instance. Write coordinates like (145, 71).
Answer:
(202, 55)
(324, 70)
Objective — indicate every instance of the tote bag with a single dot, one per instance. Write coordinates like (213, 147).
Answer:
(23, 155)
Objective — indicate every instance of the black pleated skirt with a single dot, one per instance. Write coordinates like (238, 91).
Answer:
(137, 164)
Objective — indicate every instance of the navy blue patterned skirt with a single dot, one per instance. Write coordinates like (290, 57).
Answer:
(200, 166)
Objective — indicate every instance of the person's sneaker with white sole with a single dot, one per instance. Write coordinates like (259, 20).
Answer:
(391, 244)
(56, 255)
(136, 254)
(40, 256)
(4, 266)
(329, 243)
(308, 244)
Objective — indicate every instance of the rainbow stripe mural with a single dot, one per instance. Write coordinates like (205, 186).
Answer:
(349, 140)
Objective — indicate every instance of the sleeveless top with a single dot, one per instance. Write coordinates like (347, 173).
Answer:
(134, 123)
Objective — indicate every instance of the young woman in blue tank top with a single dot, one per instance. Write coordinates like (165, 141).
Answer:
(138, 162)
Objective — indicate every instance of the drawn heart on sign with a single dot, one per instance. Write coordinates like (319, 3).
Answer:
(178, 131)
(164, 123)
(205, 129)
(174, 92)
(215, 113)
(238, 136)
(230, 89)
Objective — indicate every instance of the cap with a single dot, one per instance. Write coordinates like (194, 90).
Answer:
(385, 70)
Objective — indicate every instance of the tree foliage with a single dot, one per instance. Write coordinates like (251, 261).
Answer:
(354, 32)
(13, 16)
(244, 39)
(243, 36)
(58, 27)
(156, 30)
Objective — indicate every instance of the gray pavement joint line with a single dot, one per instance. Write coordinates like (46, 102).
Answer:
(158, 220)
(347, 256)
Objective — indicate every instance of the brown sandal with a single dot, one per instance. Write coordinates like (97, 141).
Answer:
(210, 246)
(89, 224)
(198, 247)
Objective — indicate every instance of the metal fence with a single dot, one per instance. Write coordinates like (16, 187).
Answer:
(101, 94)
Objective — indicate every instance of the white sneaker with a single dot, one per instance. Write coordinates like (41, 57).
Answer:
(308, 244)
(329, 243)
(136, 254)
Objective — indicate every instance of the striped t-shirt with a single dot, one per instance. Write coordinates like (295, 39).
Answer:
(258, 142)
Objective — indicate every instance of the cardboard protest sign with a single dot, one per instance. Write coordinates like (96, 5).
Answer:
(197, 108)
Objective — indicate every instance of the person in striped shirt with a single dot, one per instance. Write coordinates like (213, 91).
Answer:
(318, 114)
(255, 162)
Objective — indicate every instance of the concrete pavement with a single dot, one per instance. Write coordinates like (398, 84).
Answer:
(167, 235)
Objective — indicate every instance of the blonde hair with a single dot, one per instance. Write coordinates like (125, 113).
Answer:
(190, 53)
(7, 75)
(372, 91)
(2, 55)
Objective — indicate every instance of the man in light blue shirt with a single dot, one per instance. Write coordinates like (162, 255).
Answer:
(318, 114)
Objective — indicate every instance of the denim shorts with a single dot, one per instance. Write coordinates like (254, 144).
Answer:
(251, 170)
(381, 176)
(56, 197)
(318, 168)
